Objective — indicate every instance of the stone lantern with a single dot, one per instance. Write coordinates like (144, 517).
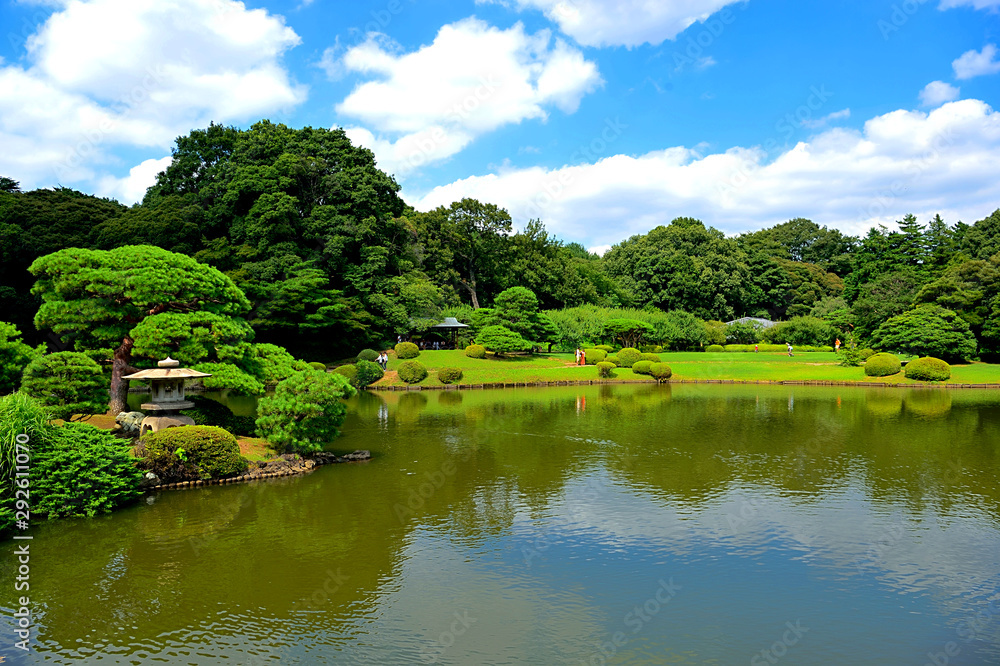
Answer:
(167, 385)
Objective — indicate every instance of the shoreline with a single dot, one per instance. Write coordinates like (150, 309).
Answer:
(592, 382)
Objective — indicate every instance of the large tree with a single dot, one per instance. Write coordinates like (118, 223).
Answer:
(96, 298)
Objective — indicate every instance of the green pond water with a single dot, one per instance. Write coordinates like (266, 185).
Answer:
(685, 524)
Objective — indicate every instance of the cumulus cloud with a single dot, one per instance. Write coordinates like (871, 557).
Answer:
(137, 73)
(943, 161)
(977, 63)
(818, 123)
(937, 93)
(429, 104)
(132, 188)
(623, 22)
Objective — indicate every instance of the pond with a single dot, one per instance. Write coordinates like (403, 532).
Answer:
(685, 524)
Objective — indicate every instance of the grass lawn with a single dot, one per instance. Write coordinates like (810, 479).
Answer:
(804, 366)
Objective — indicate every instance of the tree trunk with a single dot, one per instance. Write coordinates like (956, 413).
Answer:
(471, 286)
(121, 366)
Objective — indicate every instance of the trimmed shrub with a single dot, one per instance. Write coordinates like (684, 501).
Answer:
(449, 375)
(368, 355)
(628, 356)
(412, 372)
(209, 412)
(715, 349)
(305, 412)
(407, 350)
(501, 340)
(207, 452)
(882, 365)
(652, 358)
(366, 372)
(80, 471)
(475, 351)
(801, 331)
(67, 384)
(605, 370)
(928, 369)
(641, 367)
(595, 356)
(661, 372)
(14, 356)
(867, 353)
(612, 358)
(606, 348)
(350, 371)
(316, 365)
(851, 358)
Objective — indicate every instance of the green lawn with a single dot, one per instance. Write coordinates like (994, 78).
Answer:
(807, 366)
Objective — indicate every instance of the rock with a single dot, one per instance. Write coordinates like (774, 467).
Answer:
(149, 480)
(359, 455)
(130, 422)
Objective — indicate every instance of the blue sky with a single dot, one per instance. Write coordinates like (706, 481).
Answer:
(602, 119)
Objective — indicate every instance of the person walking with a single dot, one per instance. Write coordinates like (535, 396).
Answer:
(836, 345)
(789, 348)
(583, 357)
(756, 348)
(577, 361)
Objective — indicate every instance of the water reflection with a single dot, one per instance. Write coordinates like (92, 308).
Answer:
(528, 526)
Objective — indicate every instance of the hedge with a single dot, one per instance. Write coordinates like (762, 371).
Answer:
(641, 367)
(882, 365)
(607, 349)
(605, 370)
(628, 356)
(316, 365)
(350, 371)
(715, 349)
(368, 355)
(661, 372)
(449, 375)
(928, 369)
(407, 350)
(412, 372)
(366, 373)
(475, 351)
(652, 358)
(595, 356)
(207, 451)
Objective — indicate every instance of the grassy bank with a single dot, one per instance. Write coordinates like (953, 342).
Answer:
(812, 366)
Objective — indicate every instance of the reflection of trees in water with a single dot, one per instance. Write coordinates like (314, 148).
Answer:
(928, 403)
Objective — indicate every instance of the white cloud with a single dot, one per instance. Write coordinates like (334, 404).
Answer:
(977, 63)
(943, 161)
(975, 4)
(471, 80)
(625, 22)
(138, 73)
(818, 123)
(132, 188)
(937, 93)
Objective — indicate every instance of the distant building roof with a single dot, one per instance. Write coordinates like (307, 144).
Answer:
(763, 323)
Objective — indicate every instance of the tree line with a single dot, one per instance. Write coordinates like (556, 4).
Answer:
(331, 259)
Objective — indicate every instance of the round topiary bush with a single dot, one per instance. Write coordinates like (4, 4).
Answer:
(612, 358)
(928, 369)
(715, 349)
(867, 353)
(67, 384)
(652, 358)
(627, 356)
(316, 365)
(405, 350)
(595, 356)
(366, 373)
(661, 372)
(368, 355)
(882, 365)
(605, 370)
(475, 351)
(350, 371)
(209, 451)
(412, 372)
(606, 348)
(641, 367)
(449, 375)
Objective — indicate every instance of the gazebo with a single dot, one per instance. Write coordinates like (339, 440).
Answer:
(450, 325)
(167, 385)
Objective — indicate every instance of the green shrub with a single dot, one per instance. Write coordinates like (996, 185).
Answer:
(801, 331)
(851, 358)
(350, 371)
(14, 356)
(19, 415)
(882, 365)
(612, 358)
(412, 372)
(449, 375)
(67, 384)
(661, 372)
(628, 356)
(316, 365)
(606, 370)
(606, 348)
(209, 412)
(595, 356)
(641, 367)
(208, 452)
(867, 353)
(715, 349)
(927, 330)
(501, 340)
(928, 369)
(652, 358)
(475, 351)
(79, 470)
(366, 373)
(368, 355)
(407, 350)
(305, 412)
